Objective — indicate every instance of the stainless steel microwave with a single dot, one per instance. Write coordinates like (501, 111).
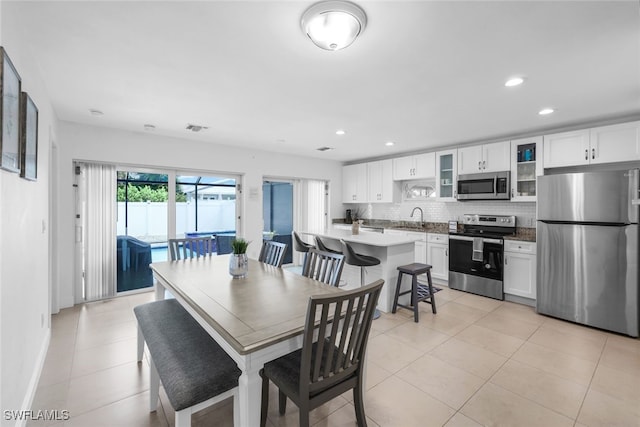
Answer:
(484, 186)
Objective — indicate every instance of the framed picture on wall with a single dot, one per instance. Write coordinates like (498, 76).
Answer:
(9, 114)
(28, 137)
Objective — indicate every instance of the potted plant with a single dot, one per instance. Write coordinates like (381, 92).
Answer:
(238, 262)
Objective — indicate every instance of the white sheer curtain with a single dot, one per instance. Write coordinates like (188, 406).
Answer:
(97, 190)
(316, 209)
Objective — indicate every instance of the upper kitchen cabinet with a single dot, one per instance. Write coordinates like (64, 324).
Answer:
(382, 188)
(420, 166)
(355, 183)
(493, 157)
(605, 144)
(446, 174)
(615, 143)
(566, 149)
(526, 165)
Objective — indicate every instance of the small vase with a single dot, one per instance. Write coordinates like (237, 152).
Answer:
(238, 265)
(355, 228)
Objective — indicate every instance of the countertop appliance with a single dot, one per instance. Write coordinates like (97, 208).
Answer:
(476, 254)
(587, 245)
(484, 186)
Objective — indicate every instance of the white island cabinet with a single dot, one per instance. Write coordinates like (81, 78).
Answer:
(391, 250)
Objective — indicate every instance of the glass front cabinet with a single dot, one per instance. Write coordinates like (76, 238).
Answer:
(526, 166)
(447, 174)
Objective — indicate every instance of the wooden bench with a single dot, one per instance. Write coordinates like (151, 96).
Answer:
(195, 371)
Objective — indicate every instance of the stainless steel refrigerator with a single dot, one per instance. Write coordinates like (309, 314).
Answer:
(587, 245)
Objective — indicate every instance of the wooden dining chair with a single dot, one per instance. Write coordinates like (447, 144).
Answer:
(324, 369)
(323, 266)
(272, 253)
(192, 247)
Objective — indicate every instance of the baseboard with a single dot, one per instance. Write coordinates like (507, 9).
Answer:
(520, 300)
(66, 302)
(35, 378)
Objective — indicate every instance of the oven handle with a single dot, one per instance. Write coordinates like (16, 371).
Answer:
(470, 239)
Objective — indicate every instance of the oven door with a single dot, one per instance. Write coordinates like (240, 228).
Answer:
(461, 257)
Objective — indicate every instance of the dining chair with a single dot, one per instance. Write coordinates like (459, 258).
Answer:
(223, 243)
(272, 253)
(192, 247)
(326, 368)
(323, 266)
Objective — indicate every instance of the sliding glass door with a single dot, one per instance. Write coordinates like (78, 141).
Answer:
(142, 200)
(277, 213)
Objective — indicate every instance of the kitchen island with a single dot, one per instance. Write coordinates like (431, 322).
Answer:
(391, 250)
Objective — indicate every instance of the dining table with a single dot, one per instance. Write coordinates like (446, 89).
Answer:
(255, 319)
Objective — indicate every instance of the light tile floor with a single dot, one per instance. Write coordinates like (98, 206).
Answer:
(477, 362)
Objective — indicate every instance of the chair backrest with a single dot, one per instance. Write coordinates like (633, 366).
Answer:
(272, 253)
(323, 266)
(340, 354)
(299, 244)
(321, 246)
(192, 247)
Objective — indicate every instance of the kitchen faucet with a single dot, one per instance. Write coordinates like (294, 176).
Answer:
(421, 215)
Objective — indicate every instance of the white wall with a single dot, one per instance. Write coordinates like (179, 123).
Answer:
(24, 245)
(82, 142)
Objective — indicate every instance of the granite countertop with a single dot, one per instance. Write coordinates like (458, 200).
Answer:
(522, 234)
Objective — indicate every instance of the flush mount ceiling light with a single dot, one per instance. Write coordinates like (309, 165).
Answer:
(333, 25)
(546, 111)
(515, 81)
(340, 132)
(389, 143)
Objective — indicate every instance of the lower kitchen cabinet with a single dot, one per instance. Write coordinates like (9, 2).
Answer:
(520, 268)
(438, 255)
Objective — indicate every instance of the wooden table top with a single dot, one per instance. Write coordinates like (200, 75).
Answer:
(266, 307)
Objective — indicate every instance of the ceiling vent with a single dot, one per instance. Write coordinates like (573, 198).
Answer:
(325, 148)
(195, 128)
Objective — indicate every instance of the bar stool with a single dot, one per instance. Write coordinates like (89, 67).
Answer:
(300, 246)
(322, 247)
(419, 291)
(359, 260)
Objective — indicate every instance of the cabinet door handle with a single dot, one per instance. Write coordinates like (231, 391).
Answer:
(484, 164)
(479, 165)
(586, 154)
(512, 192)
(446, 252)
(505, 261)
(593, 153)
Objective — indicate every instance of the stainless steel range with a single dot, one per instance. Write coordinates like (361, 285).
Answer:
(476, 255)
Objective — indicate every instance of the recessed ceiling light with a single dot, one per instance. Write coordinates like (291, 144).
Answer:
(96, 112)
(515, 81)
(340, 132)
(546, 111)
(149, 127)
(389, 143)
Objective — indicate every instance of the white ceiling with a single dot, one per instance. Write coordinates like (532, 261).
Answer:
(423, 74)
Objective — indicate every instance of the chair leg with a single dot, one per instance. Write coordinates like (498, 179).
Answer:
(154, 386)
(432, 296)
(282, 402)
(304, 415)
(264, 407)
(414, 297)
(395, 299)
(140, 344)
(358, 402)
(183, 418)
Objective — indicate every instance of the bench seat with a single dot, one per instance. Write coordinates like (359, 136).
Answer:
(195, 371)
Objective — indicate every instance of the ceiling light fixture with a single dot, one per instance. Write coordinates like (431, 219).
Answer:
(340, 132)
(333, 25)
(546, 111)
(195, 128)
(389, 143)
(515, 81)
(325, 148)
